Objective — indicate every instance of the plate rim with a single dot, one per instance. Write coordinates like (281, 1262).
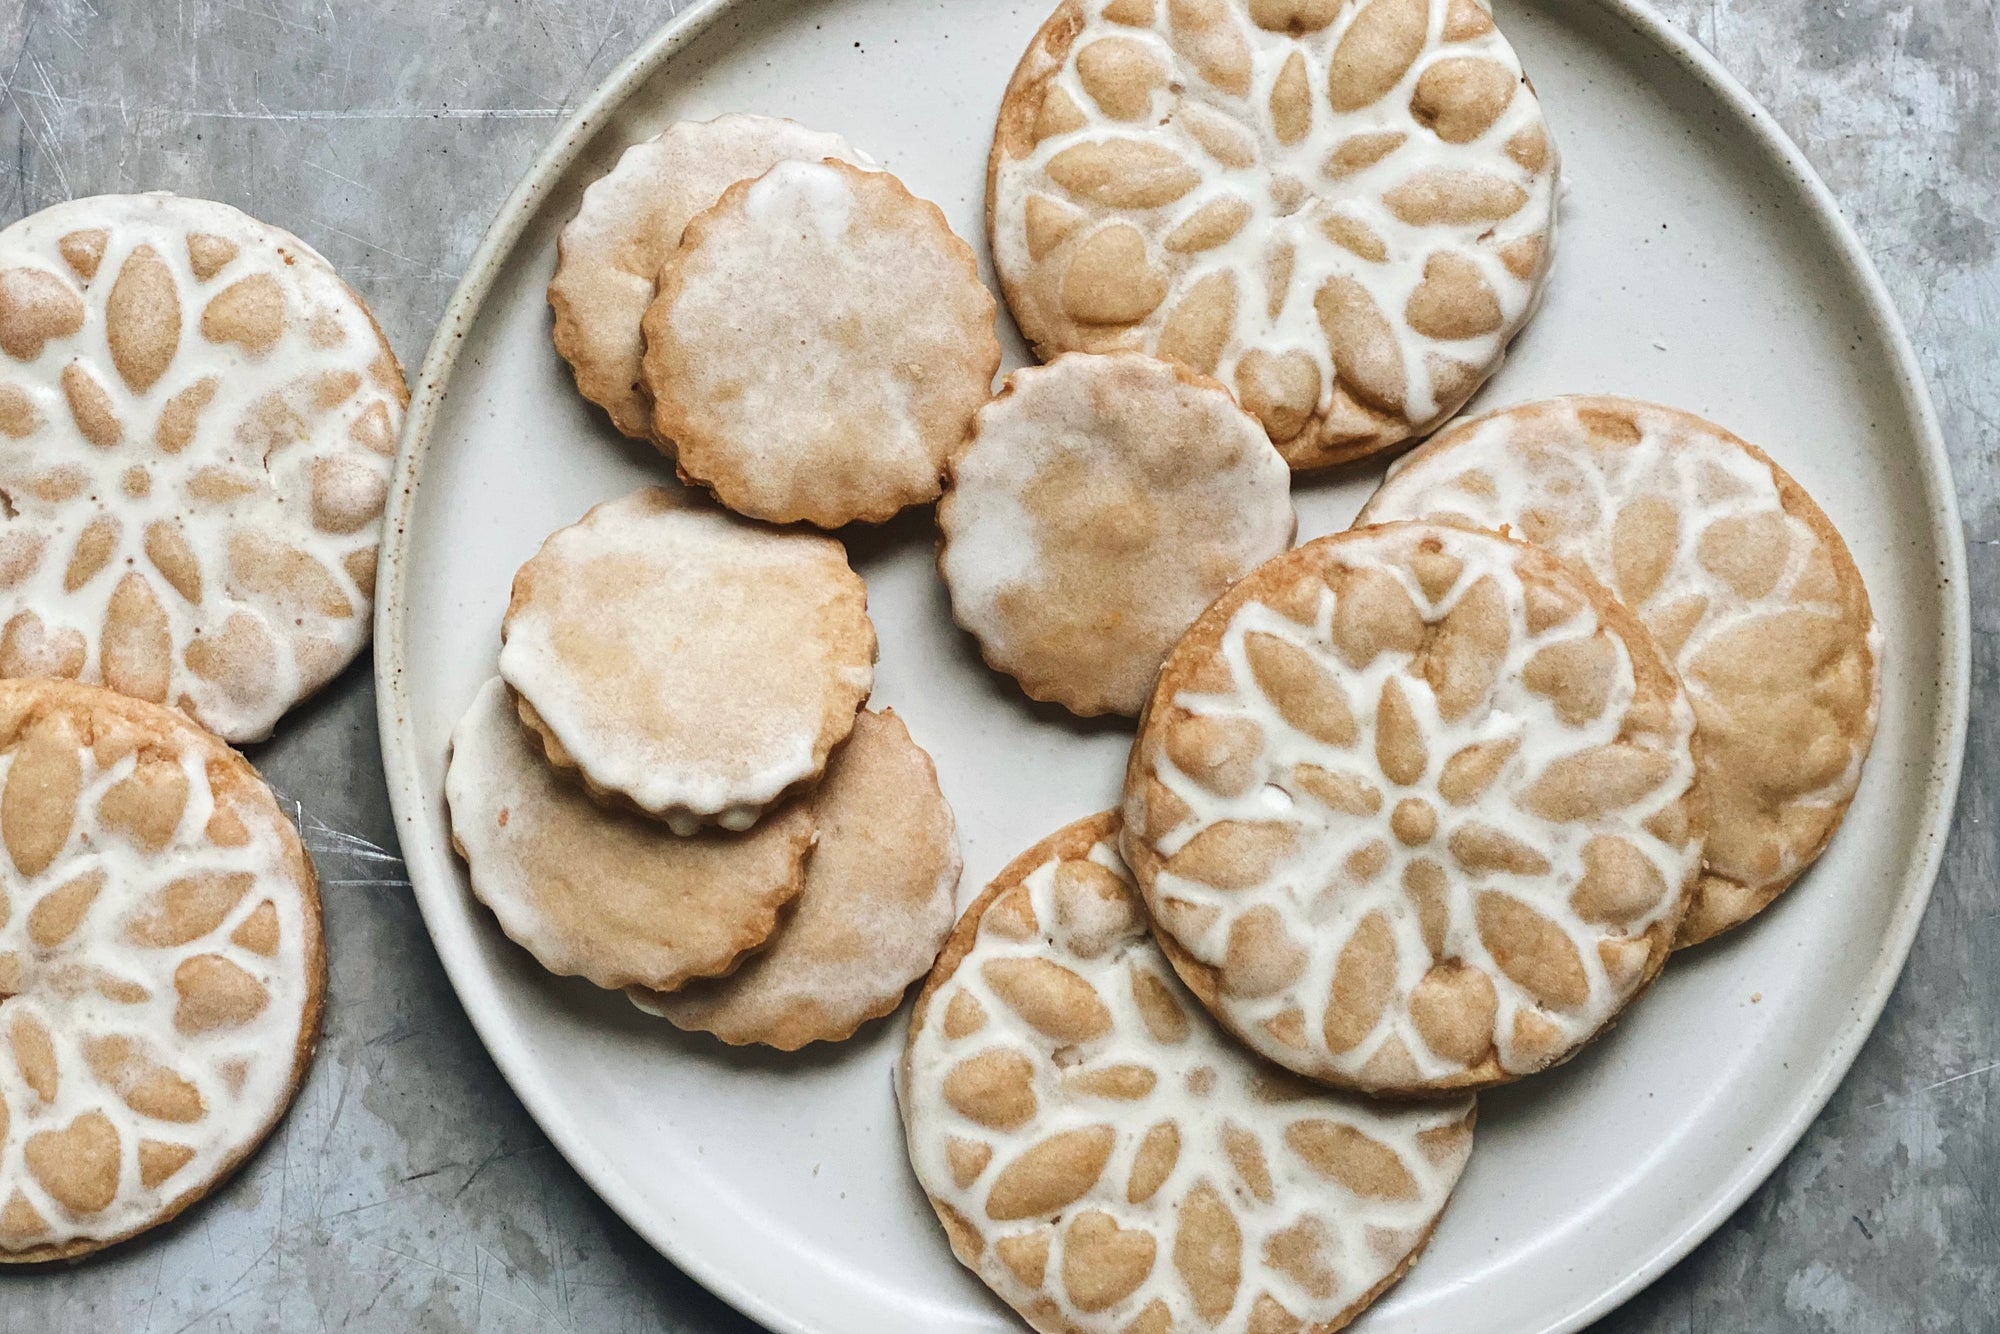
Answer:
(401, 760)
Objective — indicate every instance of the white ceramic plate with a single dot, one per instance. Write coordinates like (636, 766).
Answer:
(1701, 264)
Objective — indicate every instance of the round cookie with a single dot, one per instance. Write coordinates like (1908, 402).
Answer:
(161, 967)
(200, 418)
(686, 664)
(1415, 809)
(878, 900)
(1742, 580)
(1102, 502)
(630, 219)
(605, 895)
(1343, 210)
(1107, 1160)
(818, 346)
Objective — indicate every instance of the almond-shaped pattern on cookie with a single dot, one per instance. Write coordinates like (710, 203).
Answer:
(1107, 1160)
(161, 966)
(1415, 809)
(1742, 580)
(1342, 209)
(198, 419)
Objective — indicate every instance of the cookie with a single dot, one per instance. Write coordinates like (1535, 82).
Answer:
(1107, 1160)
(818, 346)
(1742, 580)
(161, 967)
(199, 420)
(1102, 502)
(878, 900)
(684, 663)
(1343, 211)
(1415, 808)
(630, 219)
(604, 895)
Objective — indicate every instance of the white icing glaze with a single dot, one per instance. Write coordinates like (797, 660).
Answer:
(792, 190)
(1274, 220)
(1205, 1084)
(65, 988)
(1542, 459)
(689, 660)
(1321, 902)
(281, 448)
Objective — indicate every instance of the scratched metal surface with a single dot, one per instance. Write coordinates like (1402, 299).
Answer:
(408, 1191)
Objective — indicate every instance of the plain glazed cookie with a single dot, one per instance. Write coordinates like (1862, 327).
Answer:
(818, 346)
(1102, 502)
(198, 421)
(685, 663)
(1108, 1161)
(608, 257)
(1415, 809)
(1343, 210)
(878, 900)
(1742, 580)
(161, 971)
(603, 895)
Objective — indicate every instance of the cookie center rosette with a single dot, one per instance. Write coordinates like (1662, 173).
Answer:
(1737, 574)
(1414, 808)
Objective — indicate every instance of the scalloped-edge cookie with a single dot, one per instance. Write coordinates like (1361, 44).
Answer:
(685, 663)
(161, 966)
(1343, 211)
(1108, 1161)
(1101, 504)
(1742, 580)
(878, 900)
(630, 219)
(1415, 809)
(818, 346)
(198, 420)
(605, 895)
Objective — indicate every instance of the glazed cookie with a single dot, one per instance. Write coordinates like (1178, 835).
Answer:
(604, 895)
(685, 663)
(818, 346)
(1108, 1161)
(1341, 208)
(1102, 503)
(1415, 809)
(199, 418)
(201, 421)
(161, 971)
(609, 255)
(1742, 580)
(877, 903)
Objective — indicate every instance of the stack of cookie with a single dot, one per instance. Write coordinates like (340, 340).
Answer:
(672, 786)
(199, 417)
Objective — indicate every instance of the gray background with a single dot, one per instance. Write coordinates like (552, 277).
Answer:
(408, 1191)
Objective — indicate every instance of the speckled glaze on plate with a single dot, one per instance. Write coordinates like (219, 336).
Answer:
(1701, 264)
